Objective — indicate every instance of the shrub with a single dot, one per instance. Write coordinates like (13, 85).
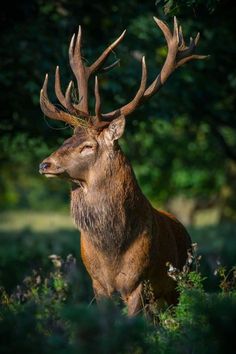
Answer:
(46, 315)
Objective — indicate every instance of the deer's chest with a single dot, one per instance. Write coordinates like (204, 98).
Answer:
(120, 272)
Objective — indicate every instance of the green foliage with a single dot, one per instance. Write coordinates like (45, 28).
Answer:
(47, 304)
(27, 249)
(174, 151)
(45, 314)
(202, 323)
(177, 6)
(21, 184)
(227, 278)
(47, 308)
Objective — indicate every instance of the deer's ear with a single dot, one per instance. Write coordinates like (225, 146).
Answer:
(115, 129)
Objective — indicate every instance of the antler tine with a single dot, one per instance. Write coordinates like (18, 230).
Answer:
(80, 71)
(58, 89)
(97, 99)
(71, 51)
(97, 122)
(98, 63)
(165, 29)
(181, 39)
(132, 105)
(51, 111)
(176, 29)
(75, 48)
(189, 58)
(196, 40)
(69, 104)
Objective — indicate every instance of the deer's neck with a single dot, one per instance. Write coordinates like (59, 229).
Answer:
(112, 210)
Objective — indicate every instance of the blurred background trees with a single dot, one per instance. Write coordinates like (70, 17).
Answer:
(182, 143)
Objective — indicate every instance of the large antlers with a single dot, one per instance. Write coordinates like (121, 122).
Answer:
(178, 54)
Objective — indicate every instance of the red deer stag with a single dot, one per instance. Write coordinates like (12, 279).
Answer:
(124, 240)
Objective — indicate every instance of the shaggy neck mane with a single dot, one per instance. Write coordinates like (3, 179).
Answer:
(109, 212)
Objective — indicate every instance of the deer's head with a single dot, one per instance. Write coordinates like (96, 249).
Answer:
(94, 142)
(86, 154)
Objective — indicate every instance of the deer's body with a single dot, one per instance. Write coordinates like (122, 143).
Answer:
(124, 240)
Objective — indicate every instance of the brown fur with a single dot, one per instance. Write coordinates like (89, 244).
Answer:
(130, 242)
(124, 240)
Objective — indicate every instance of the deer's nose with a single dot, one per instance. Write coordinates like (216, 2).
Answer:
(44, 166)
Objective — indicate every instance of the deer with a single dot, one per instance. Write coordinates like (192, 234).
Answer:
(124, 240)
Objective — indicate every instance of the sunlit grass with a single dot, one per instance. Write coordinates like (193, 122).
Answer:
(35, 221)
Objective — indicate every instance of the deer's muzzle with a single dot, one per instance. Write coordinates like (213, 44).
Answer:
(43, 166)
(50, 169)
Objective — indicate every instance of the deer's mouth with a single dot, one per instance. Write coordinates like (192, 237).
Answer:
(50, 170)
(51, 175)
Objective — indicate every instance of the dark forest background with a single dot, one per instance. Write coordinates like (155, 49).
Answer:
(182, 145)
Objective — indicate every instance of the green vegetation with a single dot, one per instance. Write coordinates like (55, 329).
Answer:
(47, 304)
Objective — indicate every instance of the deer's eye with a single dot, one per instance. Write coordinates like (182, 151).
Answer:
(86, 149)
